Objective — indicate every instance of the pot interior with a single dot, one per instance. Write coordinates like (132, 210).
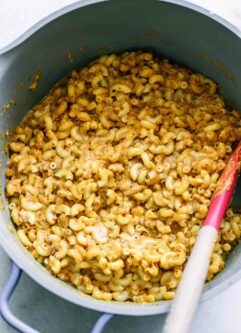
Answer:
(169, 30)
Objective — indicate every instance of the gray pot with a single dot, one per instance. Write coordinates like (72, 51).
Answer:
(75, 35)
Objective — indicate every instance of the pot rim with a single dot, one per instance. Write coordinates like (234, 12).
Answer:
(53, 284)
(82, 3)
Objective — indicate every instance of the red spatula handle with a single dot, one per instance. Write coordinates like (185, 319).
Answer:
(195, 273)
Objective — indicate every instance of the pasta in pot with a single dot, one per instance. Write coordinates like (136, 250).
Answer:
(110, 176)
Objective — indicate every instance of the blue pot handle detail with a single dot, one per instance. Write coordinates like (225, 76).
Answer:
(16, 323)
(6, 313)
(102, 322)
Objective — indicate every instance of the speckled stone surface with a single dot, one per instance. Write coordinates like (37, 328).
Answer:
(49, 313)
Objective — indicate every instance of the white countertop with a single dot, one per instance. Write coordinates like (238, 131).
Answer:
(49, 313)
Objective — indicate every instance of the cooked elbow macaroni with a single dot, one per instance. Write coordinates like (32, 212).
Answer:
(110, 176)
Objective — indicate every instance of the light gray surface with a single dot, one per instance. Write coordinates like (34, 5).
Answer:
(47, 312)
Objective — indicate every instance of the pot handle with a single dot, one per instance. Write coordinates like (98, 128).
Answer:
(102, 322)
(13, 321)
(5, 311)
